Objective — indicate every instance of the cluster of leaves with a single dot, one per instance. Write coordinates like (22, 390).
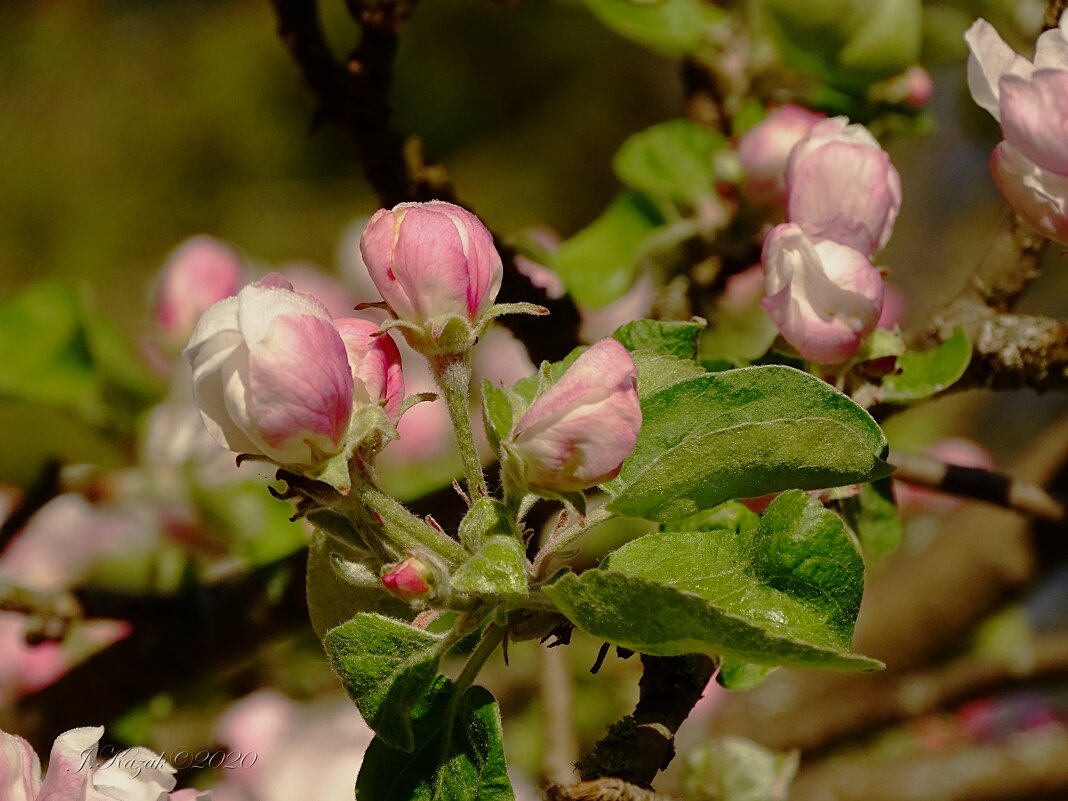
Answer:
(756, 591)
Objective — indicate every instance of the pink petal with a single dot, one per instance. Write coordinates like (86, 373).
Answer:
(1034, 117)
(1037, 195)
(20, 769)
(376, 246)
(69, 765)
(300, 388)
(991, 59)
(430, 264)
(375, 362)
(484, 266)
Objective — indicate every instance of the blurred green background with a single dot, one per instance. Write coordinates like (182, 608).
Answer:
(128, 126)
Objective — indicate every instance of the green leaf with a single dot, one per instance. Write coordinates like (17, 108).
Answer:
(736, 769)
(386, 666)
(735, 675)
(924, 373)
(671, 160)
(873, 515)
(602, 261)
(669, 338)
(732, 516)
(744, 433)
(497, 571)
(673, 27)
(786, 595)
(657, 371)
(458, 755)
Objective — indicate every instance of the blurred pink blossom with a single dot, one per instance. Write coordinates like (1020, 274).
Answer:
(824, 297)
(635, 304)
(1031, 164)
(841, 186)
(765, 149)
(199, 272)
(332, 292)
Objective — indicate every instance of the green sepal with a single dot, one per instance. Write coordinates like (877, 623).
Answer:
(670, 338)
(497, 571)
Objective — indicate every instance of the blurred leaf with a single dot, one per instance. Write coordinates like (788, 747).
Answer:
(386, 666)
(736, 769)
(740, 333)
(850, 44)
(458, 755)
(786, 595)
(671, 160)
(673, 27)
(744, 433)
(873, 515)
(671, 338)
(496, 571)
(56, 350)
(527, 388)
(925, 373)
(602, 261)
(943, 34)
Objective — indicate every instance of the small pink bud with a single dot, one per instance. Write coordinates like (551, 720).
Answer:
(271, 375)
(376, 365)
(199, 272)
(765, 149)
(578, 433)
(409, 579)
(840, 185)
(824, 297)
(432, 261)
(919, 88)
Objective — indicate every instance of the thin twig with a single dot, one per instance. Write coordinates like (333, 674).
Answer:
(556, 690)
(979, 484)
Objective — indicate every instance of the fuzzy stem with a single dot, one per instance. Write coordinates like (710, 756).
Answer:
(402, 528)
(453, 374)
(483, 651)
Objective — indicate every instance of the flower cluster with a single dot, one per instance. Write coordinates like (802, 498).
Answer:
(842, 196)
(1029, 100)
(276, 376)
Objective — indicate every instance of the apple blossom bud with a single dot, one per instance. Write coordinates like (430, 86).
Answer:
(409, 579)
(765, 149)
(1031, 165)
(199, 272)
(840, 185)
(271, 375)
(432, 261)
(376, 365)
(824, 297)
(578, 433)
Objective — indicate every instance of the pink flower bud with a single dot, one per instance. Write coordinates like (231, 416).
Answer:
(199, 272)
(824, 297)
(919, 88)
(409, 579)
(578, 433)
(840, 185)
(431, 261)
(271, 375)
(765, 149)
(1031, 165)
(376, 365)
